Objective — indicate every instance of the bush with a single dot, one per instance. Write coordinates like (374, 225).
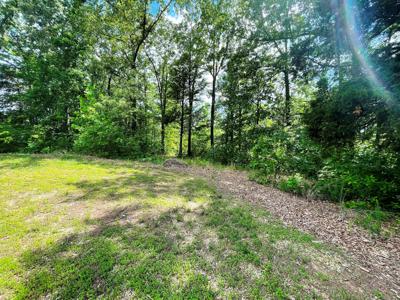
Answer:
(269, 155)
(13, 138)
(295, 184)
(360, 175)
(101, 129)
(39, 140)
(285, 152)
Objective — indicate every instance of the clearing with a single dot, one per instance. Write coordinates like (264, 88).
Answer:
(79, 227)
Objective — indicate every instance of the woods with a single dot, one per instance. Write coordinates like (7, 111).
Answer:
(306, 93)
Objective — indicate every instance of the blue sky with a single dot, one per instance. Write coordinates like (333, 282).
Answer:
(155, 7)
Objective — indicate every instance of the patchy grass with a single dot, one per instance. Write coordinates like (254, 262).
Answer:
(206, 163)
(371, 217)
(378, 222)
(74, 227)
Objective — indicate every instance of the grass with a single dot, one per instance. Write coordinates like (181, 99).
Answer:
(378, 222)
(372, 217)
(75, 227)
(207, 163)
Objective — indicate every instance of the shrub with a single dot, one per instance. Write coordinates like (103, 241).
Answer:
(269, 156)
(102, 130)
(360, 175)
(13, 138)
(286, 152)
(295, 184)
(39, 140)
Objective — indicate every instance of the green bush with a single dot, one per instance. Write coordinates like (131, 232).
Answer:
(286, 152)
(39, 140)
(13, 138)
(269, 156)
(295, 184)
(360, 175)
(101, 129)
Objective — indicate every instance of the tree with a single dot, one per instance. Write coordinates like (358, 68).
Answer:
(191, 41)
(218, 35)
(283, 29)
(161, 54)
(43, 48)
(178, 83)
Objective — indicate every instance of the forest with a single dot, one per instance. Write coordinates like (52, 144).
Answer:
(305, 92)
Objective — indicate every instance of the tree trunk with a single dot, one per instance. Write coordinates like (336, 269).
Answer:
(163, 106)
(109, 85)
(258, 112)
(181, 125)
(189, 150)
(287, 97)
(133, 114)
(214, 80)
(162, 136)
(240, 129)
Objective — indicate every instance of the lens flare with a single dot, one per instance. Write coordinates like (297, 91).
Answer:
(359, 49)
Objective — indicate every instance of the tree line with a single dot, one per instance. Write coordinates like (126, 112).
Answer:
(305, 92)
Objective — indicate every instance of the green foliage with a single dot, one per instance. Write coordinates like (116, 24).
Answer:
(285, 152)
(101, 129)
(39, 141)
(43, 44)
(363, 175)
(295, 184)
(13, 138)
(295, 164)
(337, 117)
(268, 155)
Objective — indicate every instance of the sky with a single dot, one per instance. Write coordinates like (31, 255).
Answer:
(155, 7)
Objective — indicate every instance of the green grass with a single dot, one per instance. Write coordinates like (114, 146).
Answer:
(371, 217)
(75, 227)
(206, 163)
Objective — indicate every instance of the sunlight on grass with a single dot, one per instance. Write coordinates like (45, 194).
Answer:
(74, 227)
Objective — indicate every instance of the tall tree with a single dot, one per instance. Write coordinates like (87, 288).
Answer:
(43, 47)
(284, 30)
(161, 55)
(218, 28)
(192, 42)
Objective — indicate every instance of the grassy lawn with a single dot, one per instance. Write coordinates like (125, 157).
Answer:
(73, 227)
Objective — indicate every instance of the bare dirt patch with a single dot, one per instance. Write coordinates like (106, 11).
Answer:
(170, 163)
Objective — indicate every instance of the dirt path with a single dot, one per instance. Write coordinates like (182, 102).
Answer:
(379, 259)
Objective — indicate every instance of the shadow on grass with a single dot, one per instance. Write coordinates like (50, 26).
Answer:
(116, 259)
(24, 160)
(18, 161)
(149, 249)
(141, 186)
